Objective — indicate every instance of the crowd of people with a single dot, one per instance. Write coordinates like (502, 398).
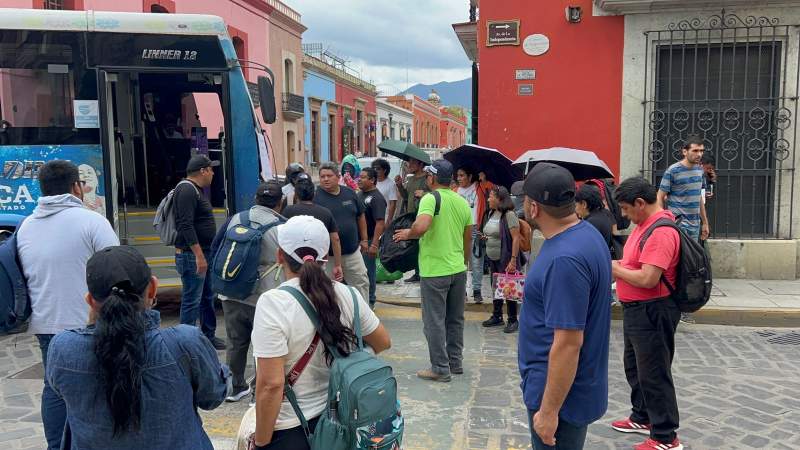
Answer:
(147, 376)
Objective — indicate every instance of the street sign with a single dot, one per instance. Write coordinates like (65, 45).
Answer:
(525, 89)
(502, 32)
(525, 74)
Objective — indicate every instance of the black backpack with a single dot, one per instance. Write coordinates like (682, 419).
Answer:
(15, 304)
(402, 256)
(693, 288)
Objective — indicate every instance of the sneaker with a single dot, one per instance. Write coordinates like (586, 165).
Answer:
(235, 397)
(412, 279)
(456, 370)
(511, 327)
(493, 321)
(476, 295)
(218, 343)
(629, 426)
(688, 319)
(652, 444)
(430, 375)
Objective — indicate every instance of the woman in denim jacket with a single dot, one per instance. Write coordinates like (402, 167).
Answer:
(127, 383)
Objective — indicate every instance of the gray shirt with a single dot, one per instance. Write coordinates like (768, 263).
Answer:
(268, 269)
(492, 232)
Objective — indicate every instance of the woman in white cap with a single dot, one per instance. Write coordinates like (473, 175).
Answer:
(283, 333)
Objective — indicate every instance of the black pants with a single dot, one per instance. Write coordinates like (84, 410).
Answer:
(292, 438)
(649, 335)
(497, 305)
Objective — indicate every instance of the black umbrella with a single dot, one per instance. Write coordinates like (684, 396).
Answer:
(584, 165)
(495, 165)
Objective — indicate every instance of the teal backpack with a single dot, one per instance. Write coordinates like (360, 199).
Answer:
(362, 412)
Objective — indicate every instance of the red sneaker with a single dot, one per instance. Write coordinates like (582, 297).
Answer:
(651, 444)
(629, 426)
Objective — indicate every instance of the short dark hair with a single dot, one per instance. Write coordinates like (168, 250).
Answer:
(269, 199)
(371, 173)
(329, 165)
(305, 190)
(57, 177)
(470, 172)
(708, 158)
(591, 195)
(636, 187)
(506, 204)
(382, 164)
(693, 139)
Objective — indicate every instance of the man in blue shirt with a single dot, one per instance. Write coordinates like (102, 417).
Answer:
(565, 323)
(681, 190)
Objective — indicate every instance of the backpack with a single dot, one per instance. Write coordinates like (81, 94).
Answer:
(164, 222)
(693, 287)
(607, 194)
(234, 266)
(362, 407)
(402, 256)
(15, 303)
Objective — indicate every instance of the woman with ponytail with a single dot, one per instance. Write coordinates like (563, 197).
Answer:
(283, 333)
(127, 383)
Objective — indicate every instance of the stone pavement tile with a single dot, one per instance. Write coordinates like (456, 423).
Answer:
(744, 302)
(786, 301)
(755, 441)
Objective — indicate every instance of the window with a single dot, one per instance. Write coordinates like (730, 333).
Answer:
(158, 9)
(53, 4)
(315, 147)
(288, 76)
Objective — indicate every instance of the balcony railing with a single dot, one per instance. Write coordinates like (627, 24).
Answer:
(293, 105)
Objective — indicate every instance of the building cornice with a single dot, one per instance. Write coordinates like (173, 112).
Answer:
(340, 76)
(647, 6)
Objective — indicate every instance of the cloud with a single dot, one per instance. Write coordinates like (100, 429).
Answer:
(386, 39)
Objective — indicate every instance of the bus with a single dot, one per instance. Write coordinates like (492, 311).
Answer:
(128, 98)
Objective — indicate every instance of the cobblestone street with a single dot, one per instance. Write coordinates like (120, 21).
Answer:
(738, 388)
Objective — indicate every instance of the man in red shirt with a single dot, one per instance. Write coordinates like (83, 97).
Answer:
(650, 317)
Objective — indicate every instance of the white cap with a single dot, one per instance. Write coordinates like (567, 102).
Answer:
(304, 231)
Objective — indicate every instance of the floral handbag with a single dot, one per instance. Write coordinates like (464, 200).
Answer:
(509, 286)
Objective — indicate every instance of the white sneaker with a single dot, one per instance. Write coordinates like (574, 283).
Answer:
(238, 396)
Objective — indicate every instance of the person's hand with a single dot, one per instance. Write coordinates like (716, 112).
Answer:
(709, 194)
(419, 193)
(363, 247)
(202, 265)
(398, 180)
(402, 235)
(338, 274)
(545, 426)
(512, 266)
(705, 231)
(373, 250)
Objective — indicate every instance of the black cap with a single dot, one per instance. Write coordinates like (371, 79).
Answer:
(441, 169)
(198, 162)
(271, 189)
(120, 266)
(550, 184)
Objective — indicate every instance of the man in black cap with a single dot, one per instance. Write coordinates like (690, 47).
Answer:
(564, 326)
(444, 229)
(239, 312)
(194, 223)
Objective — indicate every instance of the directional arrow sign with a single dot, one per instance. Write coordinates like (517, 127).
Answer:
(502, 32)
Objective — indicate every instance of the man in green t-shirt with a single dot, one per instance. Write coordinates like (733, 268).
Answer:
(445, 240)
(412, 190)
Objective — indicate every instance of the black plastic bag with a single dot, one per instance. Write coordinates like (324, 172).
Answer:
(399, 256)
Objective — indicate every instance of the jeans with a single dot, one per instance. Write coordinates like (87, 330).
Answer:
(197, 301)
(238, 326)
(371, 276)
(476, 264)
(443, 301)
(649, 346)
(53, 408)
(568, 436)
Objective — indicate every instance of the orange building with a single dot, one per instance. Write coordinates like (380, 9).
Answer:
(426, 118)
(453, 129)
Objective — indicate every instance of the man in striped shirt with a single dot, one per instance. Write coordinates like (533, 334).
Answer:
(681, 190)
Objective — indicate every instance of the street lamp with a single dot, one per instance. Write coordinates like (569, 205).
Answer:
(391, 127)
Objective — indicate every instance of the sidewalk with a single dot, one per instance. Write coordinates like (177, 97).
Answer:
(755, 303)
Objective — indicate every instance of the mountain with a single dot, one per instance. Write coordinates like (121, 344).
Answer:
(452, 93)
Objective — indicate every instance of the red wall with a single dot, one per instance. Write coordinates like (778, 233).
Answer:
(578, 88)
(347, 95)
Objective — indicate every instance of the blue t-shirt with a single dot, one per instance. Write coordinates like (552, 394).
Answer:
(568, 287)
(684, 186)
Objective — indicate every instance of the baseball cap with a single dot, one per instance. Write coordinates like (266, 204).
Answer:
(550, 184)
(120, 266)
(304, 232)
(271, 189)
(441, 169)
(198, 162)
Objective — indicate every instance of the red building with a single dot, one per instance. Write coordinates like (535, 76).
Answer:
(426, 118)
(574, 100)
(357, 113)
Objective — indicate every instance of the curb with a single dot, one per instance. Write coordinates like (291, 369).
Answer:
(742, 317)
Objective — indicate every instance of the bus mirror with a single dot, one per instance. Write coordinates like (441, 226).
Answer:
(266, 96)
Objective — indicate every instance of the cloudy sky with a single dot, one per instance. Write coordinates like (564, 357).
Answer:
(395, 44)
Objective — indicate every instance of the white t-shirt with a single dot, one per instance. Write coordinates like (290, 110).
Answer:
(288, 192)
(281, 328)
(389, 191)
(470, 194)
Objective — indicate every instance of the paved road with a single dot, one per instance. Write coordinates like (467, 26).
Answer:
(737, 390)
